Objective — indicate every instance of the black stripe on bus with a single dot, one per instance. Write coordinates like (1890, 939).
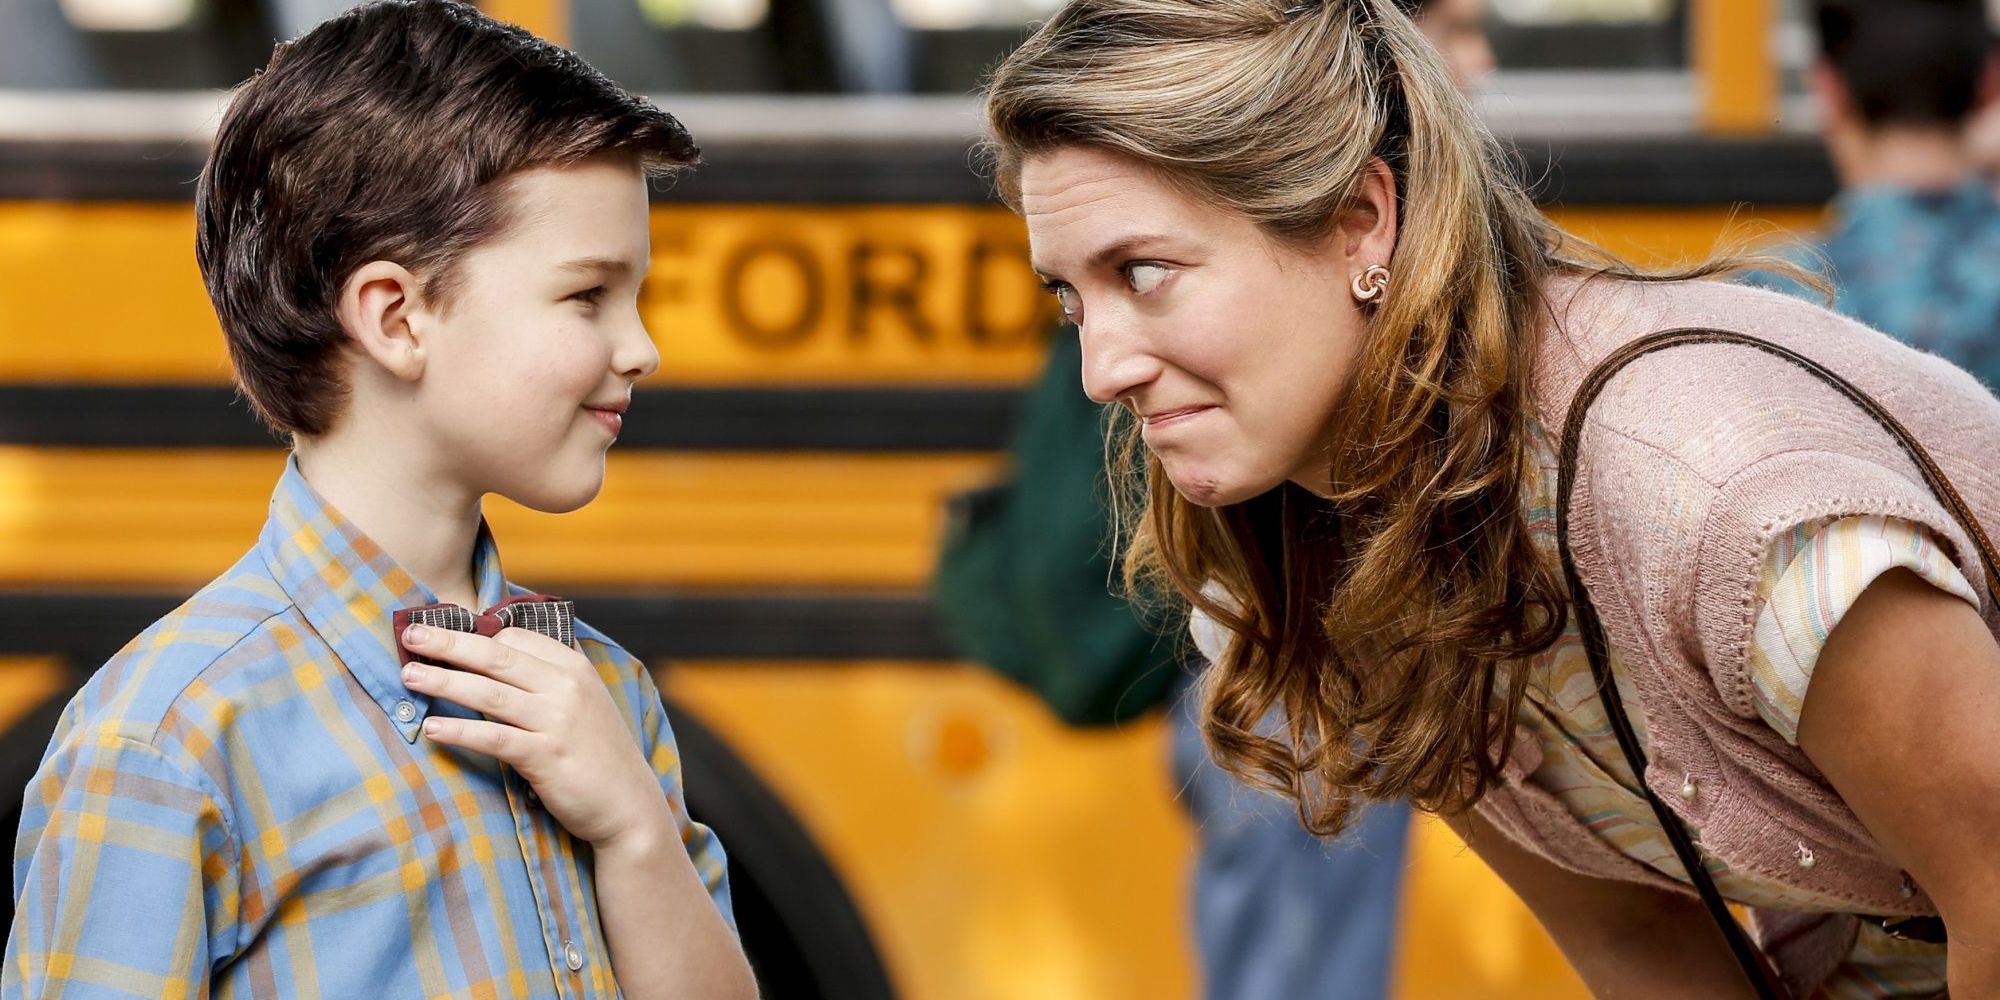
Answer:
(85, 627)
(750, 418)
(1786, 170)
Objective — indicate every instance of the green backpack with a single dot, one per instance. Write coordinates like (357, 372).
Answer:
(1025, 581)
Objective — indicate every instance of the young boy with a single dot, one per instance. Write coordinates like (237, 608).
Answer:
(424, 234)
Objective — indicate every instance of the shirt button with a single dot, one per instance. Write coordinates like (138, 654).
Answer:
(405, 711)
(572, 957)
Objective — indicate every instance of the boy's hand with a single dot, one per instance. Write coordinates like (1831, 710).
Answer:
(550, 718)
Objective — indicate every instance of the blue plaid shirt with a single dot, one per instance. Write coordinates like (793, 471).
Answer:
(241, 803)
(1920, 266)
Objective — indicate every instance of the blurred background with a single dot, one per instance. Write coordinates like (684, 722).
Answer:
(846, 319)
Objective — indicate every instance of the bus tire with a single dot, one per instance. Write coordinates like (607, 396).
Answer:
(804, 937)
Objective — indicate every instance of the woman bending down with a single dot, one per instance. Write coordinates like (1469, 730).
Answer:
(1619, 607)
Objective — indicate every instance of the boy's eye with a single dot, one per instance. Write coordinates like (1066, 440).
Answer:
(1068, 299)
(1144, 277)
(589, 296)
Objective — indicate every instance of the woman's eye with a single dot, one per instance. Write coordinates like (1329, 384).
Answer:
(1070, 301)
(1145, 277)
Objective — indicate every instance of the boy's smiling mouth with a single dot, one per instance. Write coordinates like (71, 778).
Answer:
(611, 415)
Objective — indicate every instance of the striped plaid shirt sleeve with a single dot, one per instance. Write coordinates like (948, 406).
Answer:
(1812, 575)
(632, 683)
(703, 847)
(123, 878)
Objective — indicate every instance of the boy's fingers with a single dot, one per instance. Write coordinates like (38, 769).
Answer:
(479, 654)
(495, 739)
(497, 699)
(535, 644)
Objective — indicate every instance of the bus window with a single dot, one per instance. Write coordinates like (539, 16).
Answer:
(147, 45)
(127, 15)
(707, 46)
(1530, 35)
(955, 41)
(946, 46)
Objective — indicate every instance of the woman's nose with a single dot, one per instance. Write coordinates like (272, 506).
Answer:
(1116, 360)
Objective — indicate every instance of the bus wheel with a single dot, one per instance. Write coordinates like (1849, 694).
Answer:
(801, 930)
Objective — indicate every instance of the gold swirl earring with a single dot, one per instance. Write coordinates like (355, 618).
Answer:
(1371, 283)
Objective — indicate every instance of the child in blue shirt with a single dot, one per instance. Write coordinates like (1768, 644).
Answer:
(326, 774)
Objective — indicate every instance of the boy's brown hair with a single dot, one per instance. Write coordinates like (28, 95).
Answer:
(381, 134)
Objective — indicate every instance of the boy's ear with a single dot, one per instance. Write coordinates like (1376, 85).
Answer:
(378, 308)
(1836, 105)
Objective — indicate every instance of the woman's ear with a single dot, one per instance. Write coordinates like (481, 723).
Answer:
(378, 309)
(1367, 229)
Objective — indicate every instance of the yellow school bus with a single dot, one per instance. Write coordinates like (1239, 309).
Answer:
(844, 316)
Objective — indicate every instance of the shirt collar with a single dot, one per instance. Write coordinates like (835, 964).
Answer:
(1972, 195)
(348, 589)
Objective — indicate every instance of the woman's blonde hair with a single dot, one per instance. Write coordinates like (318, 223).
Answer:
(1374, 621)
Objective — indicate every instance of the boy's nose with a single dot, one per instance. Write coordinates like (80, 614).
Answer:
(635, 356)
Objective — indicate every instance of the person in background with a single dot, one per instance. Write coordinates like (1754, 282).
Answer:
(1982, 136)
(1912, 243)
(1457, 28)
(1278, 912)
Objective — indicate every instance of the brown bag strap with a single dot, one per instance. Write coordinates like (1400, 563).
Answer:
(1762, 977)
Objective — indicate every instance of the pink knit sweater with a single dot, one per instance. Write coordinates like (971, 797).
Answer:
(1693, 460)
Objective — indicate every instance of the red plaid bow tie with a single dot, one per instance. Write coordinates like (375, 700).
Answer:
(551, 616)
